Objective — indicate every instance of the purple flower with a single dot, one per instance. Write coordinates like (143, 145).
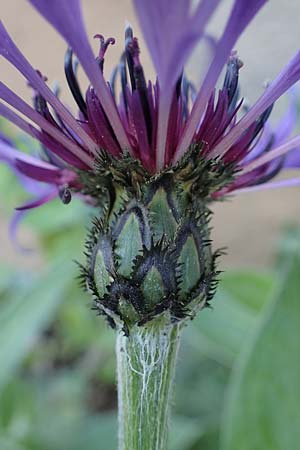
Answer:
(156, 123)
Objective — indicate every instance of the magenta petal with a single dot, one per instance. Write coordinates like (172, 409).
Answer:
(100, 125)
(241, 15)
(66, 17)
(9, 155)
(38, 173)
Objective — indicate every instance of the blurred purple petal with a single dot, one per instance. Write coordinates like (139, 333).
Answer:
(10, 154)
(241, 15)
(289, 121)
(14, 223)
(292, 160)
(35, 203)
(13, 157)
(21, 212)
(292, 182)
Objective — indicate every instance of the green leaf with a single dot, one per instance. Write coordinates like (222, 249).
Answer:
(264, 397)
(23, 318)
(221, 332)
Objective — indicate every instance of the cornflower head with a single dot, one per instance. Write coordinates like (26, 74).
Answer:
(149, 156)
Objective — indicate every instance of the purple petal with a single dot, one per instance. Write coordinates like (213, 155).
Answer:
(99, 124)
(273, 154)
(10, 52)
(171, 32)
(10, 154)
(66, 17)
(50, 195)
(242, 13)
(84, 159)
(289, 121)
(19, 215)
(16, 102)
(287, 77)
(292, 182)
(292, 160)
(21, 212)
(164, 105)
(59, 150)
(38, 173)
(14, 224)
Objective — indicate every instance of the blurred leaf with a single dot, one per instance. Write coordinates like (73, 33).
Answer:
(184, 432)
(289, 245)
(8, 444)
(264, 400)
(200, 385)
(221, 332)
(56, 217)
(27, 314)
(97, 432)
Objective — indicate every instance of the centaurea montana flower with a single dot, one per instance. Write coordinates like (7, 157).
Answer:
(151, 159)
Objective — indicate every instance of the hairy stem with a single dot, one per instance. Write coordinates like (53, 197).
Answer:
(146, 366)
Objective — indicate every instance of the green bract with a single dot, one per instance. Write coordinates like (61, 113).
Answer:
(149, 252)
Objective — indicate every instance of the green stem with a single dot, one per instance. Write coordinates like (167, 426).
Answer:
(146, 366)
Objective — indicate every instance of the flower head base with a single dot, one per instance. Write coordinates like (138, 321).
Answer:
(149, 254)
(152, 158)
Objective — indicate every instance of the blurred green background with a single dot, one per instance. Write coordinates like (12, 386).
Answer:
(237, 384)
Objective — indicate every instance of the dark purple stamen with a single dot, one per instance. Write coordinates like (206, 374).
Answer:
(129, 57)
(132, 49)
(260, 123)
(104, 44)
(270, 174)
(40, 105)
(70, 71)
(112, 81)
(231, 80)
(123, 75)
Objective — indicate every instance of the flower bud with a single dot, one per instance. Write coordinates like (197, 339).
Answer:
(149, 253)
